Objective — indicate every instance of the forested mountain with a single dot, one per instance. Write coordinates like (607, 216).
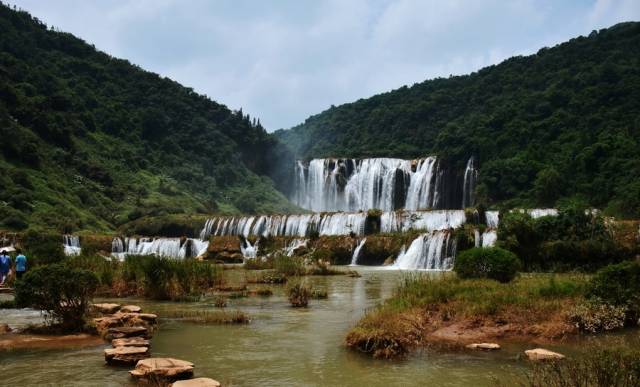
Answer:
(88, 141)
(563, 124)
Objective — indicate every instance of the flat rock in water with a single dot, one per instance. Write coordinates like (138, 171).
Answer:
(164, 368)
(122, 332)
(131, 342)
(484, 346)
(125, 355)
(131, 309)
(105, 308)
(197, 382)
(543, 354)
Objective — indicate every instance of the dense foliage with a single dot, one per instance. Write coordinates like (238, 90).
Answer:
(487, 262)
(62, 292)
(618, 285)
(573, 240)
(562, 123)
(91, 142)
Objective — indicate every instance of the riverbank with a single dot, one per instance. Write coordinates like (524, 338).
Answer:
(442, 310)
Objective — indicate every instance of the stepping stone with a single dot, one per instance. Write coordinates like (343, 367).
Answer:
(131, 342)
(197, 382)
(543, 354)
(484, 346)
(131, 309)
(125, 355)
(105, 308)
(122, 332)
(162, 368)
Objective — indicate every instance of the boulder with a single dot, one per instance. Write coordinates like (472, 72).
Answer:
(542, 354)
(131, 342)
(123, 332)
(197, 382)
(131, 309)
(484, 346)
(125, 355)
(162, 368)
(4, 328)
(105, 308)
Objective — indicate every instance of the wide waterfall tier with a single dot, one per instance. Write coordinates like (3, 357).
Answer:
(163, 247)
(340, 223)
(381, 183)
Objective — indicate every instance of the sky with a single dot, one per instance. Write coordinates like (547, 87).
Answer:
(284, 60)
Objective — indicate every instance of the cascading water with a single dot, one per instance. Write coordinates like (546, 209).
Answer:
(429, 251)
(401, 221)
(489, 238)
(356, 252)
(248, 250)
(493, 218)
(294, 245)
(356, 185)
(71, 245)
(469, 185)
(162, 247)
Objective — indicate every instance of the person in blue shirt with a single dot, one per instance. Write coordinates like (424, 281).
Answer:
(5, 267)
(21, 264)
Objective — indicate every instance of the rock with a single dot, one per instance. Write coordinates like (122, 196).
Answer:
(125, 355)
(131, 309)
(163, 368)
(105, 308)
(542, 354)
(484, 346)
(122, 332)
(4, 328)
(197, 382)
(131, 342)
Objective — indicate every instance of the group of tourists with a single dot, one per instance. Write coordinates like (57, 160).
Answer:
(6, 266)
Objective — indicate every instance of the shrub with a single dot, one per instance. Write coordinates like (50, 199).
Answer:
(288, 266)
(62, 292)
(43, 248)
(618, 285)
(614, 367)
(592, 316)
(299, 294)
(493, 262)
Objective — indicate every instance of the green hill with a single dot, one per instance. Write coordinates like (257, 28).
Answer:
(563, 124)
(91, 142)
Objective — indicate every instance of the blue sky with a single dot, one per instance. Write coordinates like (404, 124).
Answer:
(282, 61)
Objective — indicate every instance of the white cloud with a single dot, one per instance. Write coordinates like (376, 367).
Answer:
(284, 60)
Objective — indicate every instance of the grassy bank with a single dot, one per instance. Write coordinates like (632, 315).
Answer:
(444, 309)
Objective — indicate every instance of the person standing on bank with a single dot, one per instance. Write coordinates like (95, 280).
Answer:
(21, 264)
(5, 267)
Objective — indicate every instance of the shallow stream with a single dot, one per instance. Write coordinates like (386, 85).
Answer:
(282, 346)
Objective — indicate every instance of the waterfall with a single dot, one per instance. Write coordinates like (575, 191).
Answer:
(293, 245)
(401, 221)
(489, 238)
(540, 212)
(358, 185)
(492, 218)
(162, 247)
(469, 184)
(71, 244)
(356, 252)
(429, 251)
(477, 238)
(248, 250)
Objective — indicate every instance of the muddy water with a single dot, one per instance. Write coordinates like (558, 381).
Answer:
(281, 346)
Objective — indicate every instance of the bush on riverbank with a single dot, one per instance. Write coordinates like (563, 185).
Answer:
(615, 367)
(63, 293)
(208, 316)
(575, 239)
(487, 262)
(618, 285)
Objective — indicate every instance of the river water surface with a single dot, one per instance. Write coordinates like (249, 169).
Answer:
(282, 346)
